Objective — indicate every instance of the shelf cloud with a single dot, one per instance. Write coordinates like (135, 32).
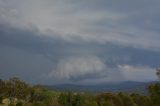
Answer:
(79, 41)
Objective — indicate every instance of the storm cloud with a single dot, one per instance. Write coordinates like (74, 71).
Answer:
(85, 41)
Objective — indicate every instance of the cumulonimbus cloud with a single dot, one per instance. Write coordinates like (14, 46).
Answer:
(57, 29)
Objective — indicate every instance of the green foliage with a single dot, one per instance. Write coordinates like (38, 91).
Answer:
(21, 94)
(2, 88)
(126, 99)
(109, 99)
(154, 90)
(89, 100)
(19, 104)
(15, 88)
(142, 100)
(70, 99)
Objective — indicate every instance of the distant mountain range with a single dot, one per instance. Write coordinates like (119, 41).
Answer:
(127, 87)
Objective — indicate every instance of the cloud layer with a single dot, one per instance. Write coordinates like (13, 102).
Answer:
(87, 21)
(85, 41)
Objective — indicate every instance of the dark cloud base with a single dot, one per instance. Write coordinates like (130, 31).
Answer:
(31, 56)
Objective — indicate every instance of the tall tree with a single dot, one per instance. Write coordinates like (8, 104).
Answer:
(154, 90)
(15, 88)
(2, 89)
(158, 73)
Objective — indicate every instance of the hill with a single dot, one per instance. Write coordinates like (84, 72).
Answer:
(127, 87)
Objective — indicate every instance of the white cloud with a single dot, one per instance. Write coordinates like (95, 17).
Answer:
(137, 73)
(74, 67)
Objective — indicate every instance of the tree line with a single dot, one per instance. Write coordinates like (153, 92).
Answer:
(19, 93)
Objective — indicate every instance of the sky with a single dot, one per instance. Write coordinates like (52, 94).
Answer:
(79, 41)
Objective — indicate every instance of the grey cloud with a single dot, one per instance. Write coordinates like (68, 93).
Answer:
(74, 19)
(55, 48)
(39, 36)
(26, 54)
(19, 63)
